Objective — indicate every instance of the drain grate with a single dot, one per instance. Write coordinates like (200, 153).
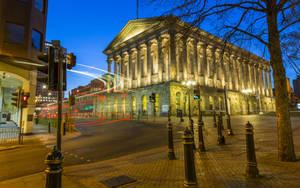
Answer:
(118, 181)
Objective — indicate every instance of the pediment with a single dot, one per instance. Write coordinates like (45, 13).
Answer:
(134, 28)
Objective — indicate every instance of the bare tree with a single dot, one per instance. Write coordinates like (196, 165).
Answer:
(273, 23)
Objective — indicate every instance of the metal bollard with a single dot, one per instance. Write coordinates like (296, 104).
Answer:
(215, 119)
(189, 162)
(221, 138)
(54, 170)
(181, 118)
(49, 127)
(171, 154)
(251, 169)
(200, 136)
(229, 129)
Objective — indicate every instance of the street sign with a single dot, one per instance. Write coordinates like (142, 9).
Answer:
(298, 106)
(165, 108)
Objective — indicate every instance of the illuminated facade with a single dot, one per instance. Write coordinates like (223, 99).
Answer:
(22, 35)
(154, 55)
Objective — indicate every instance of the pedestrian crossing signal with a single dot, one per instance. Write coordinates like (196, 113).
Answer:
(196, 94)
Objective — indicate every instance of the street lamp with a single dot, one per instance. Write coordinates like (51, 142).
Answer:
(247, 92)
(190, 84)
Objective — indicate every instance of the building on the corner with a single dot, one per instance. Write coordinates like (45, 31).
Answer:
(22, 35)
(296, 84)
(154, 55)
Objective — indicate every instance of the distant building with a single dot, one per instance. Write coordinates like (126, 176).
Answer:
(296, 84)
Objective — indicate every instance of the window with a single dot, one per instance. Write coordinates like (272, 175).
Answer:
(39, 4)
(14, 33)
(36, 39)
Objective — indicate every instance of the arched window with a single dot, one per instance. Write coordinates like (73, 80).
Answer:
(144, 103)
(133, 105)
(211, 103)
(124, 106)
(156, 104)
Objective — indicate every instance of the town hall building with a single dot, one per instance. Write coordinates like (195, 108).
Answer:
(153, 56)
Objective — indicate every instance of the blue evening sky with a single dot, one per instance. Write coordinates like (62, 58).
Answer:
(86, 27)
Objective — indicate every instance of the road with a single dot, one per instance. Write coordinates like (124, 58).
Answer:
(96, 143)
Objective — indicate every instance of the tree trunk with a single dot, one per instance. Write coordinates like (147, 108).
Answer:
(285, 136)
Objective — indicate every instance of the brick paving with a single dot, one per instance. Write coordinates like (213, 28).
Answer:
(219, 166)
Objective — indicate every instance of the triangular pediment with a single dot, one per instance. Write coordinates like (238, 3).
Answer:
(134, 28)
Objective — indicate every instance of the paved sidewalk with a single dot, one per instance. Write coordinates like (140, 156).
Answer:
(219, 166)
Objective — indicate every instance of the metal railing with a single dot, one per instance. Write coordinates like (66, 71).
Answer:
(9, 135)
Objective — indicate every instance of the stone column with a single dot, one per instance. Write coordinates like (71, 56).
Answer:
(129, 69)
(172, 56)
(149, 69)
(109, 73)
(196, 64)
(138, 67)
(227, 68)
(233, 73)
(261, 83)
(160, 59)
(210, 60)
(257, 79)
(270, 83)
(115, 74)
(266, 82)
(184, 60)
(202, 62)
(241, 76)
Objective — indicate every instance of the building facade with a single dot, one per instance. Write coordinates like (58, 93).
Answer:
(296, 84)
(22, 35)
(154, 55)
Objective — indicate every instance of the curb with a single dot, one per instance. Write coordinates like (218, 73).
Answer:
(10, 147)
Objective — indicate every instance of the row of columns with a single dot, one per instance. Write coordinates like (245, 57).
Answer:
(174, 57)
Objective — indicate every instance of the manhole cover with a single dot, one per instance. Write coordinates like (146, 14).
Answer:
(118, 181)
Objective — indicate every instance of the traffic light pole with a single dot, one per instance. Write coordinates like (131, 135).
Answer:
(59, 99)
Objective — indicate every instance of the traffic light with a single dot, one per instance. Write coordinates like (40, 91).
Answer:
(71, 100)
(152, 98)
(16, 98)
(71, 60)
(24, 99)
(196, 94)
(51, 70)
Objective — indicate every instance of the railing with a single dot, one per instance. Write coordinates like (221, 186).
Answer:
(9, 135)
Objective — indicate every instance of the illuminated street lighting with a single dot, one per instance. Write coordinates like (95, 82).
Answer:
(189, 84)
(44, 86)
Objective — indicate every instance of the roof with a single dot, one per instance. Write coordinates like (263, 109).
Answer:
(134, 28)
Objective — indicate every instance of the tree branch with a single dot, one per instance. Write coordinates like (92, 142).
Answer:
(288, 25)
(249, 34)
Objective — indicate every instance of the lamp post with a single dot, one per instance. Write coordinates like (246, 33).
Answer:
(229, 129)
(247, 93)
(190, 84)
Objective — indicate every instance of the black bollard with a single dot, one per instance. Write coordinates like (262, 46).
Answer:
(54, 170)
(201, 146)
(171, 154)
(181, 118)
(229, 129)
(189, 162)
(49, 127)
(215, 119)
(221, 138)
(251, 169)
